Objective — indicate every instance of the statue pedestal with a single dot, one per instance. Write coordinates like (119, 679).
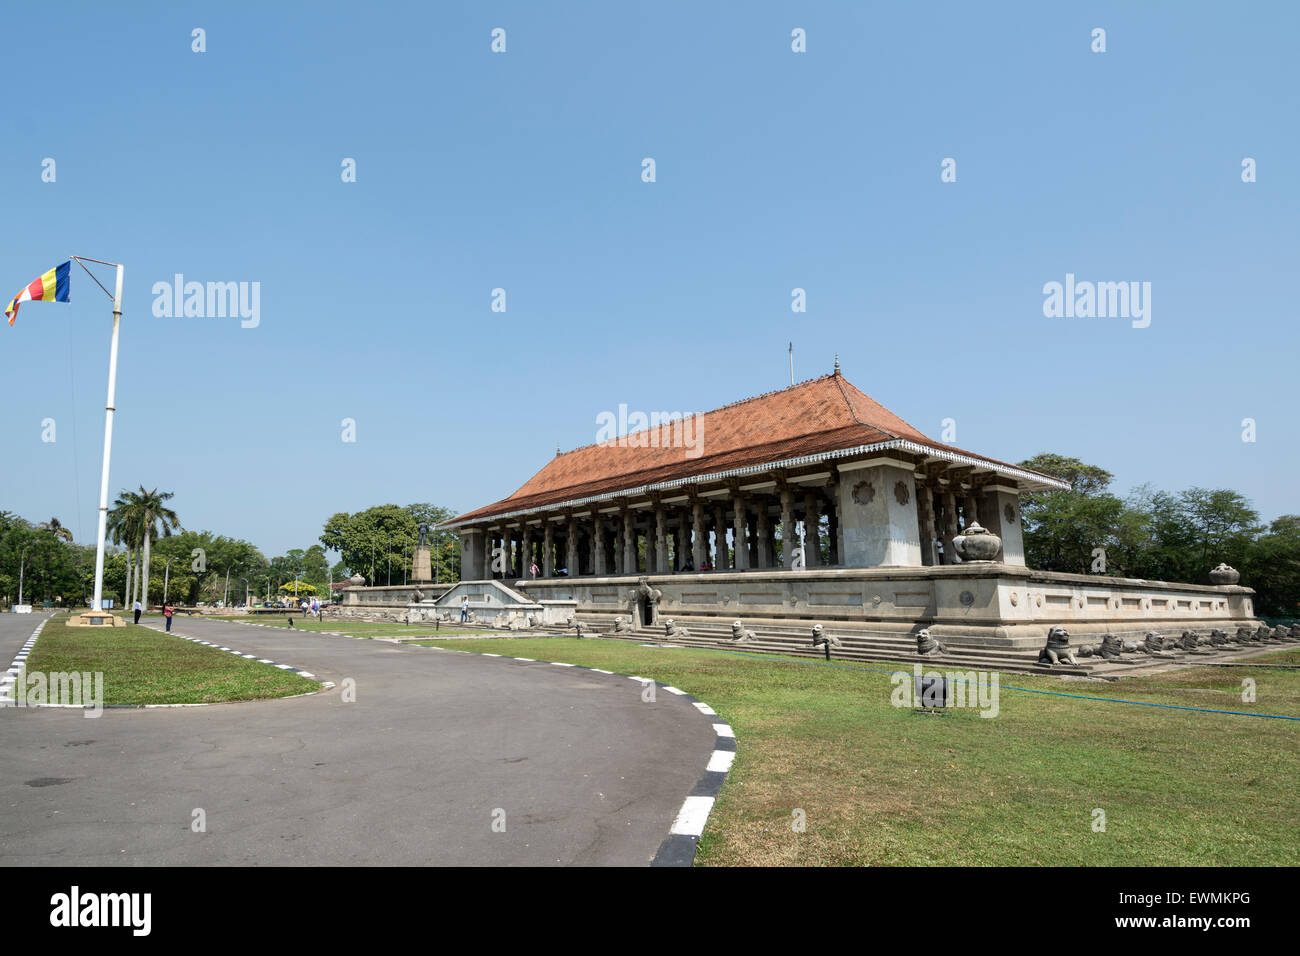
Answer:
(421, 567)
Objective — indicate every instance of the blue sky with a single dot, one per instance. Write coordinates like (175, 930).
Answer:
(522, 171)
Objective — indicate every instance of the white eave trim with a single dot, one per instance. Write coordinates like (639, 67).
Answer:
(1031, 480)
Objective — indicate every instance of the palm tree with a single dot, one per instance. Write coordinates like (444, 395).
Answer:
(56, 528)
(125, 522)
(154, 515)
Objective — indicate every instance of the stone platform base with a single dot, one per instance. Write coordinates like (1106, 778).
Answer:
(875, 646)
(976, 604)
(95, 619)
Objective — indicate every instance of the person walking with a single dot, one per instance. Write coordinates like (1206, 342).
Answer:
(464, 608)
(138, 609)
(168, 611)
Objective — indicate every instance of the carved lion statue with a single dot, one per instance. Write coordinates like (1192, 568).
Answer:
(1189, 641)
(1244, 635)
(741, 634)
(927, 645)
(822, 639)
(1111, 648)
(1057, 650)
(1153, 643)
(1218, 638)
(672, 629)
(621, 626)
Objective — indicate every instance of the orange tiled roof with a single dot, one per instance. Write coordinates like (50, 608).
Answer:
(819, 415)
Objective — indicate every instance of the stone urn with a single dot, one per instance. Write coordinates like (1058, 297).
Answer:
(1224, 575)
(356, 580)
(977, 544)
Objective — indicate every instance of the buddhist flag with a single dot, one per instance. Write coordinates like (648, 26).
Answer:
(51, 287)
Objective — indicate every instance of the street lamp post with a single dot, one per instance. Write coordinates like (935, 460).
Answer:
(389, 542)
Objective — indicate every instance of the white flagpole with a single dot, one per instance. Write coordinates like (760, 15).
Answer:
(108, 447)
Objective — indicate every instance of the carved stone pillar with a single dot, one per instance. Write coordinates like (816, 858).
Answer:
(835, 542)
(571, 547)
(789, 534)
(764, 535)
(629, 543)
(925, 516)
(598, 545)
(661, 540)
(721, 561)
(950, 528)
(811, 527)
(699, 542)
(833, 531)
(548, 547)
(739, 544)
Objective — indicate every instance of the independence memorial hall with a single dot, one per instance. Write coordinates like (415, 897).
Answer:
(812, 504)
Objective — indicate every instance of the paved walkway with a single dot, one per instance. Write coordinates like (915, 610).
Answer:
(411, 773)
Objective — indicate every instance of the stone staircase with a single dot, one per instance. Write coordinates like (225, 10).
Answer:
(861, 643)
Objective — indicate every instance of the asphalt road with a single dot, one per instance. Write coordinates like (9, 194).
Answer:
(413, 772)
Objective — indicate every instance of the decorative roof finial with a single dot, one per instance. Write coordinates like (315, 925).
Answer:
(557, 449)
(837, 363)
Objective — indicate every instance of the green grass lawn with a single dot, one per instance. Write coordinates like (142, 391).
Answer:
(882, 785)
(141, 666)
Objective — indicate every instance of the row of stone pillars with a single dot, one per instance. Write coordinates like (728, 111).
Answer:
(943, 512)
(665, 538)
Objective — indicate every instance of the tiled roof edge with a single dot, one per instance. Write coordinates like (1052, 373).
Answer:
(896, 444)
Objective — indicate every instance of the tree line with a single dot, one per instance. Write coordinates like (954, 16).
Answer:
(46, 564)
(1159, 535)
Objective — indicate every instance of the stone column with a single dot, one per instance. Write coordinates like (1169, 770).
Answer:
(811, 528)
(950, 528)
(598, 543)
(699, 543)
(720, 559)
(925, 511)
(683, 541)
(548, 547)
(629, 543)
(660, 562)
(833, 532)
(472, 542)
(740, 545)
(764, 536)
(877, 512)
(789, 533)
(571, 547)
(1000, 513)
